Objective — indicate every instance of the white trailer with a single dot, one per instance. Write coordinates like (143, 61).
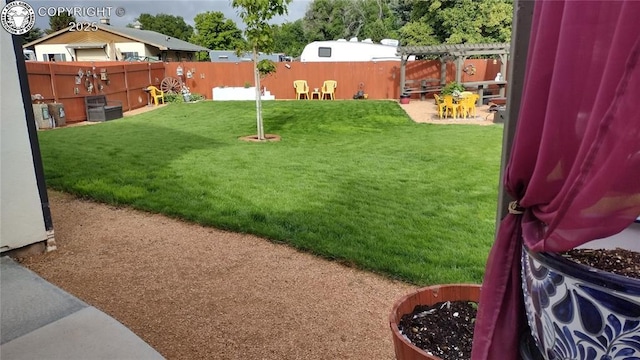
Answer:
(352, 50)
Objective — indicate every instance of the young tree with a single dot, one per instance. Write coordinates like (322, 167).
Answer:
(59, 22)
(256, 15)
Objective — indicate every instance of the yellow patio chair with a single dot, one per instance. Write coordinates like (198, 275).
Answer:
(301, 89)
(450, 106)
(440, 105)
(328, 88)
(468, 105)
(156, 94)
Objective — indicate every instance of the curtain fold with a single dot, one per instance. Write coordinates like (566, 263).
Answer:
(575, 160)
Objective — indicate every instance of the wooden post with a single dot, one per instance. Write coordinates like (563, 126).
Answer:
(52, 76)
(523, 14)
(443, 71)
(503, 71)
(126, 85)
(403, 64)
(459, 65)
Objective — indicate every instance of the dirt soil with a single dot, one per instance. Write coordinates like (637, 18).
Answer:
(444, 329)
(618, 261)
(193, 292)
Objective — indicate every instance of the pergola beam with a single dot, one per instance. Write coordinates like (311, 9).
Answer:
(460, 52)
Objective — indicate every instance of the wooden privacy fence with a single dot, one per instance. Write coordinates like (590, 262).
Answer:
(381, 80)
(68, 82)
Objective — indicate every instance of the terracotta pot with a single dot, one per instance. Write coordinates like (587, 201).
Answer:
(430, 295)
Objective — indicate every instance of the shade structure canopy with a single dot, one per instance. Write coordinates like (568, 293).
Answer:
(456, 52)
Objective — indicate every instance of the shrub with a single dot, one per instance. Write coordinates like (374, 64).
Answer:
(173, 98)
(452, 87)
(196, 97)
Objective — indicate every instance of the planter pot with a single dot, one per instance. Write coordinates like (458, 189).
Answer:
(405, 98)
(238, 93)
(430, 295)
(578, 312)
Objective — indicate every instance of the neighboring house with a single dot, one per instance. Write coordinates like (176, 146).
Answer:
(230, 56)
(112, 43)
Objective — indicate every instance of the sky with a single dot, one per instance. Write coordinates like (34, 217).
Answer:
(133, 8)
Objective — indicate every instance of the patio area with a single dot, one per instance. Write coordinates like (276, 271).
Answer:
(427, 112)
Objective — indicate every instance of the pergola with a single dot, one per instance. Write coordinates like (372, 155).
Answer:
(458, 52)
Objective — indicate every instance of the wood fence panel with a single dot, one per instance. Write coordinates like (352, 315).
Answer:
(56, 82)
(126, 81)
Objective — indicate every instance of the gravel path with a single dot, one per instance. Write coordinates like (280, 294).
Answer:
(200, 293)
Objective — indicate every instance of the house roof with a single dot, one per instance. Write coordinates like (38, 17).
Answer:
(161, 41)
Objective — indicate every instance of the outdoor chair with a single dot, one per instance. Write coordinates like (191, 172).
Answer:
(450, 106)
(156, 94)
(99, 109)
(440, 105)
(468, 105)
(328, 88)
(302, 88)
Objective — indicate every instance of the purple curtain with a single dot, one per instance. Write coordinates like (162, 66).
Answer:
(575, 160)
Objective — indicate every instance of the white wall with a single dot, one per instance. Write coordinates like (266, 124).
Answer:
(91, 55)
(21, 218)
(132, 47)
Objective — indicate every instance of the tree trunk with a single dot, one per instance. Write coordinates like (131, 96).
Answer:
(256, 77)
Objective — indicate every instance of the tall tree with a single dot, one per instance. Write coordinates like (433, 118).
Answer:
(417, 33)
(289, 38)
(466, 21)
(333, 19)
(215, 32)
(33, 34)
(256, 15)
(59, 22)
(169, 25)
(324, 20)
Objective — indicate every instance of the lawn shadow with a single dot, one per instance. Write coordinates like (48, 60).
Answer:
(116, 162)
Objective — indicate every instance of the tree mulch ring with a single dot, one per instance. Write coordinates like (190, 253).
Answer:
(267, 137)
(618, 261)
(444, 329)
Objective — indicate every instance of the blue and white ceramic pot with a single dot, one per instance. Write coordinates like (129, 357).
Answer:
(578, 312)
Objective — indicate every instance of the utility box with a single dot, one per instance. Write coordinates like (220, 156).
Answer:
(56, 111)
(42, 116)
(500, 117)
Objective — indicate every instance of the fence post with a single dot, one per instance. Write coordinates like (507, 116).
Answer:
(126, 86)
(52, 75)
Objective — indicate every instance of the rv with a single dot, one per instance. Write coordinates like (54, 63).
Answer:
(352, 50)
(29, 55)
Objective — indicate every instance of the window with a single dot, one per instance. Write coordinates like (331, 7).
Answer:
(324, 52)
(54, 57)
(130, 54)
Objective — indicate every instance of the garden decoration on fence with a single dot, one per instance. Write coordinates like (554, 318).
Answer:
(574, 172)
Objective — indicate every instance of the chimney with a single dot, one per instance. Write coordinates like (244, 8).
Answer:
(137, 25)
(105, 21)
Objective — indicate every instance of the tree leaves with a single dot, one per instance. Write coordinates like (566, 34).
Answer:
(215, 32)
(169, 25)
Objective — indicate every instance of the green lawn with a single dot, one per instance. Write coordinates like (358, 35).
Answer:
(355, 181)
